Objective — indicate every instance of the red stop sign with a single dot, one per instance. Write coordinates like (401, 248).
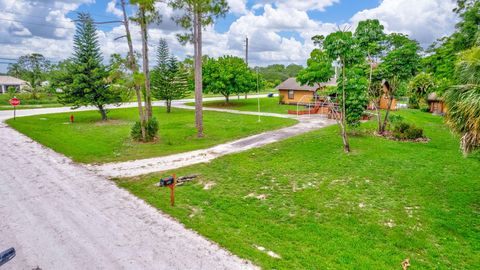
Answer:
(14, 101)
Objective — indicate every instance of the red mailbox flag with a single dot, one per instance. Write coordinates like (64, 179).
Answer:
(14, 102)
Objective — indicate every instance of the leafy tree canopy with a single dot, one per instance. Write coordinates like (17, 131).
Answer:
(32, 68)
(228, 75)
(319, 69)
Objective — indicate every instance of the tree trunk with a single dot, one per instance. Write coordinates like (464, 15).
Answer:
(346, 145)
(385, 120)
(169, 105)
(227, 99)
(103, 112)
(133, 67)
(146, 69)
(197, 33)
(379, 115)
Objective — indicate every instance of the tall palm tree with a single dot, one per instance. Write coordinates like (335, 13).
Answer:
(463, 100)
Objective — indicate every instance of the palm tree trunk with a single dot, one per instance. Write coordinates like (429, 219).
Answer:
(133, 67)
(197, 32)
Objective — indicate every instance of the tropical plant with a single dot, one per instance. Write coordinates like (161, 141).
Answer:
(463, 100)
(419, 87)
(371, 38)
(399, 64)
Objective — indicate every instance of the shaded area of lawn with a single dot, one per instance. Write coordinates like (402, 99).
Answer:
(269, 105)
(371, 209)
(90, 140)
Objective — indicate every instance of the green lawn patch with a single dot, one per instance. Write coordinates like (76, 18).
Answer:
(27, 102)
(319, 208)
(92, 141)
(269, 105)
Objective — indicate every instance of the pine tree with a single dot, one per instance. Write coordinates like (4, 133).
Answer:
(169, 81)
(85, 83)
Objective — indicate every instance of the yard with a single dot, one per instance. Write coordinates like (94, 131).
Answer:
(269, 105)
(89, 140)
(27, 102)
(315, 207)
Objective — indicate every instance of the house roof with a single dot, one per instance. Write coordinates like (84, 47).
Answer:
(292, 84)
(434, 97)
(9, 80)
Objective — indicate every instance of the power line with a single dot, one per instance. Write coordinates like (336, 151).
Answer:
(38, 24)
(5, 58)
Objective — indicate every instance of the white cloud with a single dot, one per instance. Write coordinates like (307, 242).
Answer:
(112, 8)
(279, 31)
(424, 20)
(302, 5)
(238, 6)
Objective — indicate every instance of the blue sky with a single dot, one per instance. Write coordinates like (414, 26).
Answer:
(280, 31)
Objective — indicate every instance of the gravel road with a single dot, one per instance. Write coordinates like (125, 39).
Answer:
(59, 215)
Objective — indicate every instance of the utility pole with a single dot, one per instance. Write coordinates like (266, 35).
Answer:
(246, 57)
(246, 50)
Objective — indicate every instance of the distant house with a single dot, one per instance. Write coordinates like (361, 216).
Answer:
(9, 81)
(291, 92)
(436, 104)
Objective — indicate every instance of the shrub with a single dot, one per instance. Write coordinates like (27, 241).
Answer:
(151, 130)
(425, 109)
(394, 119)
(405, 131)
(413, 133)
(280, 99)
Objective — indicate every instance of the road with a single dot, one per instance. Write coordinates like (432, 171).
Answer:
(60, 215)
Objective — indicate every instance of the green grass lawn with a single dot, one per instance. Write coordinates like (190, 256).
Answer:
(269, 105)
(92, 141)
(27, 102)
(370, 209)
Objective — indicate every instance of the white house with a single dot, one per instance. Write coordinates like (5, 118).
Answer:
(8, 81)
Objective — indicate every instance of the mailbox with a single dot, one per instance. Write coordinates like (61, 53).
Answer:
(167, 181)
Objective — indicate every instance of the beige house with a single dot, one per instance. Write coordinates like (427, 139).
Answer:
(9, 81)
(291, 92)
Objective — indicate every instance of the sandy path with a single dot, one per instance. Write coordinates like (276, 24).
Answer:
(59, 215)
(150, 165)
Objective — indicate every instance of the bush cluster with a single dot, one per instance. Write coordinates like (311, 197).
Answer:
(151, 130)
(405, 131)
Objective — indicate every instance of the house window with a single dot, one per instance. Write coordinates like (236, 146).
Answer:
(290, 94)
